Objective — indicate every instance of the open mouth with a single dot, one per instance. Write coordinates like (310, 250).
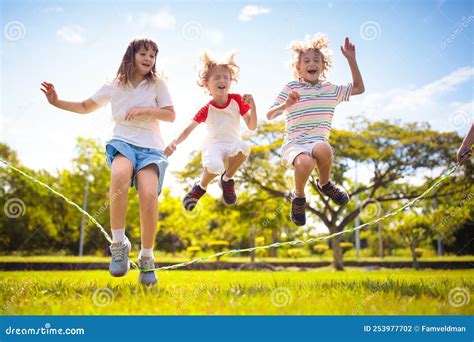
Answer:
(146, 65)
(221, 87)
(312, 71)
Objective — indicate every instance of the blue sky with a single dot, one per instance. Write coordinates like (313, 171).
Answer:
(415, 58)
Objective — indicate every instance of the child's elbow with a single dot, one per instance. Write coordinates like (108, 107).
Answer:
(172, 115)
(269, 116)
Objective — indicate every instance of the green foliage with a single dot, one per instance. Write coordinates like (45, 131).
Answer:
(346, 246)
(320, 249)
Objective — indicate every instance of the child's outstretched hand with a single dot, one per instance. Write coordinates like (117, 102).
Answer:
(293, 97)
(348, 50)
(170, 148)
(249, 100)
(50, 92)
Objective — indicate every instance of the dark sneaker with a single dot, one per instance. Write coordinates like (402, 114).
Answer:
(147, 276)
(298, 215)
(228, 191)
(338, 196)
(193, 196)
(119, 265)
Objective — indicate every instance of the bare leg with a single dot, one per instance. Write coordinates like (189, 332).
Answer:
(304, 164)
(322, 153)
(122, 170)
(234, 164)
(207, 177)
(147, 179)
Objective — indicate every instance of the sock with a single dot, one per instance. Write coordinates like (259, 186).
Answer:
(225, 178)
(202, 186)
(297, 195)
(325, 186)
(118, 235)
(146, 252)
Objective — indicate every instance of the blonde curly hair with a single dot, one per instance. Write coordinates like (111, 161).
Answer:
(208, 64)
(318, 43)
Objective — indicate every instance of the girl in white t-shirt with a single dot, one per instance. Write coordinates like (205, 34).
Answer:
(223, 151)
(139, 100)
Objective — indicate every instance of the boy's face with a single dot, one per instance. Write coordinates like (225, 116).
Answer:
(310, 65)
(144, 61)
(219, 81)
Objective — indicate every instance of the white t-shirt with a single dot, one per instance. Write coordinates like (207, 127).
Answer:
(223, 122)
(143, 130)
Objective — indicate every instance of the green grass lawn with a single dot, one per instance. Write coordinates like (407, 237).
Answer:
(319, 292)
(160, 258)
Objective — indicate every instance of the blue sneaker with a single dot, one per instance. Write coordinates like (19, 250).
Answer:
(147, 278)
(119, 265)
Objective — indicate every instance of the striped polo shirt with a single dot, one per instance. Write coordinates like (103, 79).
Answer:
(309, 120)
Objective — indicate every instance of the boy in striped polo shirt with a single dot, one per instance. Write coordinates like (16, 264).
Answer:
(309, 103)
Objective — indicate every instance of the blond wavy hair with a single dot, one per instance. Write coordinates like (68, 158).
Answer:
(207, 64)
(318, 43)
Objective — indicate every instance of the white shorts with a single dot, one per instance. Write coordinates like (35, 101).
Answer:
(289, 154)
(215, 157)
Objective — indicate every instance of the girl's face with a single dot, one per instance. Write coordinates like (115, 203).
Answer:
(144, 61)
(310, 66)
(219, 81)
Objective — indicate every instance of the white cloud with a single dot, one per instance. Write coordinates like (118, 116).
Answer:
(71, 34)
(162, 20)
(250, 11)
(427, 103)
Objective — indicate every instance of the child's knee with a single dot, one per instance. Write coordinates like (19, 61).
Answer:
(215, 167)
(304, 162)
(148, 194)
(121, 176)
(322, 151)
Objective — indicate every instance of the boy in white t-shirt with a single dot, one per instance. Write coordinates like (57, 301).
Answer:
(223, 151)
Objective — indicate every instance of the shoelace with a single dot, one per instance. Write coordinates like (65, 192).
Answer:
(298, 209)
(117, 253)
(195, 193)
(228, 188)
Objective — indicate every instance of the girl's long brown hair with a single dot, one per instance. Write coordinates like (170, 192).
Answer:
(126, 69)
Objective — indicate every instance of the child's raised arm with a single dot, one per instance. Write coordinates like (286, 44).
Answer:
(83, 107)
(182, 137)
(349, 52)
(275, 111)
(250, 119)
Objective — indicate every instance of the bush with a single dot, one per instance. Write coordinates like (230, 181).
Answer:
(193, 251)
(218, 246)
(346, 246)
(419, 252)
(296, 253)
(320, 249)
